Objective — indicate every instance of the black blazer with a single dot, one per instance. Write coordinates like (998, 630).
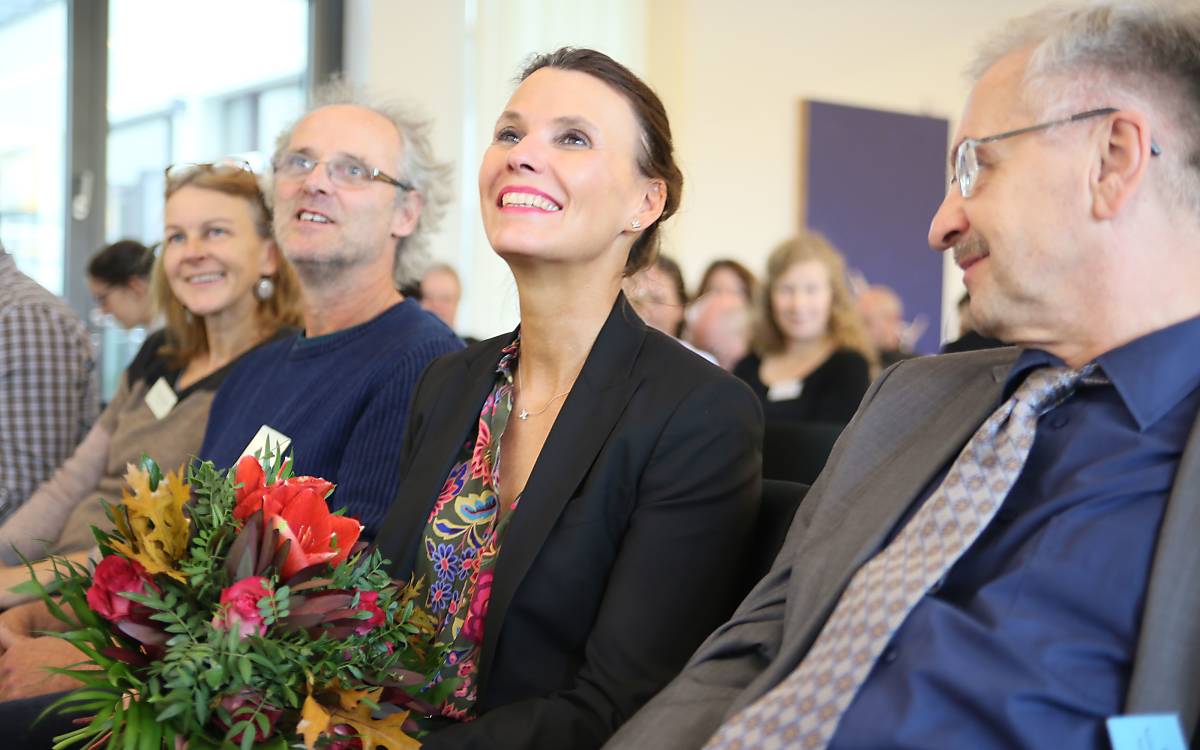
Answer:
(627, 547)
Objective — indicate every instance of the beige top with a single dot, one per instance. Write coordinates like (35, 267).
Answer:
(58, 517)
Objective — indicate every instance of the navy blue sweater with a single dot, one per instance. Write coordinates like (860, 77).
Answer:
(341, 398)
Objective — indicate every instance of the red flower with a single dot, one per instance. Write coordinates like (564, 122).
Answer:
(368, 601)
(254, 494)
(239, 607)
(297, 508)
(114, 576)
(473, 627)
(244, 705)
(317, 536)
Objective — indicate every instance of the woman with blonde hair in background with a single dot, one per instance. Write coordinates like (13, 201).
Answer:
(222, 287)
(811, 360)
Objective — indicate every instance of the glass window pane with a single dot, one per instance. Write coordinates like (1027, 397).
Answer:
(185, 84)
(33, 73)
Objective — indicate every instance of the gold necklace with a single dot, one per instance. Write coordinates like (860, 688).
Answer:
(525, 413)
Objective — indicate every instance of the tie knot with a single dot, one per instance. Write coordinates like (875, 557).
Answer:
(1046, 387)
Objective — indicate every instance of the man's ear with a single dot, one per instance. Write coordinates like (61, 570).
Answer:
(407, 213)
(1124, 154)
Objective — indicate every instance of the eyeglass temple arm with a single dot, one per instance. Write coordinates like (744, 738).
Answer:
(1155, 150)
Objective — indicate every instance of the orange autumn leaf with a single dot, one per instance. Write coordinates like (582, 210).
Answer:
(153, 523)
(387, 732)
(314, 721)
(349, 699)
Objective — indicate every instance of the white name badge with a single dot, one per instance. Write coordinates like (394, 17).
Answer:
(1145, 732)
(278, 442)
(785, 390)
(161, 398)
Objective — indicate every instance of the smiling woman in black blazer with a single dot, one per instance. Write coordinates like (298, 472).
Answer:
(578, 494)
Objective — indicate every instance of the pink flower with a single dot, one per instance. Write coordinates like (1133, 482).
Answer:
(473, 627)
(239, 607)
(116, 575)
(347, 738)
(368, 601)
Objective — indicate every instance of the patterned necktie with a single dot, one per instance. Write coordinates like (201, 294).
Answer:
(804, 709)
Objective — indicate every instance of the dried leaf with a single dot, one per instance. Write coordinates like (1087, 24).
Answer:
(350, 699)
(387, 732)
(314, 721)
(153, 523)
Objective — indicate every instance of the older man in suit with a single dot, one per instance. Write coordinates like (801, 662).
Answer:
(1001, 550)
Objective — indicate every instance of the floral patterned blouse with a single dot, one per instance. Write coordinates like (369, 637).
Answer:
(461, 541)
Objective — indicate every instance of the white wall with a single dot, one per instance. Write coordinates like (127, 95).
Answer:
(730, 74)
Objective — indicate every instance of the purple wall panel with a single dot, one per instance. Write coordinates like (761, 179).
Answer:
(872, 182)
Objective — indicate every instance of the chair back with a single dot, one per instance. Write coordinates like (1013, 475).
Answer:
(780, 499)
(797, 451)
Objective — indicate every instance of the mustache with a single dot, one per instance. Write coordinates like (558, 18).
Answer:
(972, 247)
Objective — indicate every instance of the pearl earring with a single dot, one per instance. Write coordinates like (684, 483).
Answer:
(264, 288)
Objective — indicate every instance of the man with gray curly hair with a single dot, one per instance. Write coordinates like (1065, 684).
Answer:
(355, 187)
(1000, 552)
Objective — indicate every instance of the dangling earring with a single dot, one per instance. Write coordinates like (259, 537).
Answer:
(636, 223)
(264, 288)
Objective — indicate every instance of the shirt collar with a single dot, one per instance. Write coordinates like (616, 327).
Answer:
(508, 356)
(1148, 390)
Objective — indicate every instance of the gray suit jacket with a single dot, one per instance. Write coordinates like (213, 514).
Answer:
(912, 421)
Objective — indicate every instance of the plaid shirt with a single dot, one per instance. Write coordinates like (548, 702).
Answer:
(48, 396)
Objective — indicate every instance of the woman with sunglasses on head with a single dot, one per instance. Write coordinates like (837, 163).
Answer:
(222, 288)
(577, 493)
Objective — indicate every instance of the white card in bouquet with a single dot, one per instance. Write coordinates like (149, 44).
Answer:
(278, 441)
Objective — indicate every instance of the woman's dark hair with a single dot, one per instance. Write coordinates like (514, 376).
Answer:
(657, 157)
(749, 280)
(121, 262)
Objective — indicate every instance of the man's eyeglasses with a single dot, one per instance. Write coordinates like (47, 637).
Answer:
(966, 163)
(180, 174)
(343, 171)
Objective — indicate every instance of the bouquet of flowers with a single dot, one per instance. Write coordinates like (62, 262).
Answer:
(234, 610)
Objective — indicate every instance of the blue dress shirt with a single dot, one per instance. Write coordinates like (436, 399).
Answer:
(1028, 641)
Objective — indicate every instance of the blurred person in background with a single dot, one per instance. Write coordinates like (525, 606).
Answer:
(882, 313)
(441, 291)
(728, 277)
(118, 276)
(969, 339)
(811, 358)
(719, 323)
(223, 289)
(48, 389)
(659, 295)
